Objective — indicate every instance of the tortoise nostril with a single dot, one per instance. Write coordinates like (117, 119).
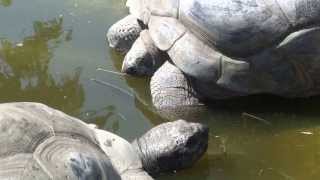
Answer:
(131, 71)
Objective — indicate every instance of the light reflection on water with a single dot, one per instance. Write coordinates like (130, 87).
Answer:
(51, 49)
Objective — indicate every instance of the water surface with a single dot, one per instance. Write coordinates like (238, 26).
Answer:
(51, 50)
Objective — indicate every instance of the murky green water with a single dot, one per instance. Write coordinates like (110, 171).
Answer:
(51, 50)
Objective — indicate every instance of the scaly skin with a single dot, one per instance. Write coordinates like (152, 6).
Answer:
(123, 34)
(172, 146)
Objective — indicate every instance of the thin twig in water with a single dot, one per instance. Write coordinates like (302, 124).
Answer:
(122, 116)
(283, 174)
(131, 94)
(244, 114)
(113, 72)
(113, 86)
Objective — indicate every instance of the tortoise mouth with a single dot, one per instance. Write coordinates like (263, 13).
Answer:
(130, 70)
(198, 143)
(140, 66)
(134, 70)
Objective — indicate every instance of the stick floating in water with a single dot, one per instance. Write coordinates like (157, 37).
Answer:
(244, 114)
(131, 94)
(112, 86)
(113, 72)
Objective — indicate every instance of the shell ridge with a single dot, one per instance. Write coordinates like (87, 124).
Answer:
(178, 10)
(75, 136)
(14, 166)
(177, 40)
(43, 167)
(284, 14)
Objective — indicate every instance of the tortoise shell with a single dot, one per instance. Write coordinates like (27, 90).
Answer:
(237, 28)
(38, 142)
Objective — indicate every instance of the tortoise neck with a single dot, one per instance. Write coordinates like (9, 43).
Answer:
(148, 160)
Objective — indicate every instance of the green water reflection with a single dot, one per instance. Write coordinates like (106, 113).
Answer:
(50, 51)
(25, 67)
(5, 3)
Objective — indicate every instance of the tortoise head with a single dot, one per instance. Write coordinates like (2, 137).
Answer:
(144, 58)
(172, 146)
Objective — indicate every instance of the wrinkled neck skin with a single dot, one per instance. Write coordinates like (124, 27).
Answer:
(123, 156)
(165, 148)
(171, 146)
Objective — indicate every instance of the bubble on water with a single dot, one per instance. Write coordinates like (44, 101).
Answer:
(306, 132)
(19, 44)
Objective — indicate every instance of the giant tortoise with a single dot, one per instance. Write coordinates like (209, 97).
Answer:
(38, 142)
(219, 49)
